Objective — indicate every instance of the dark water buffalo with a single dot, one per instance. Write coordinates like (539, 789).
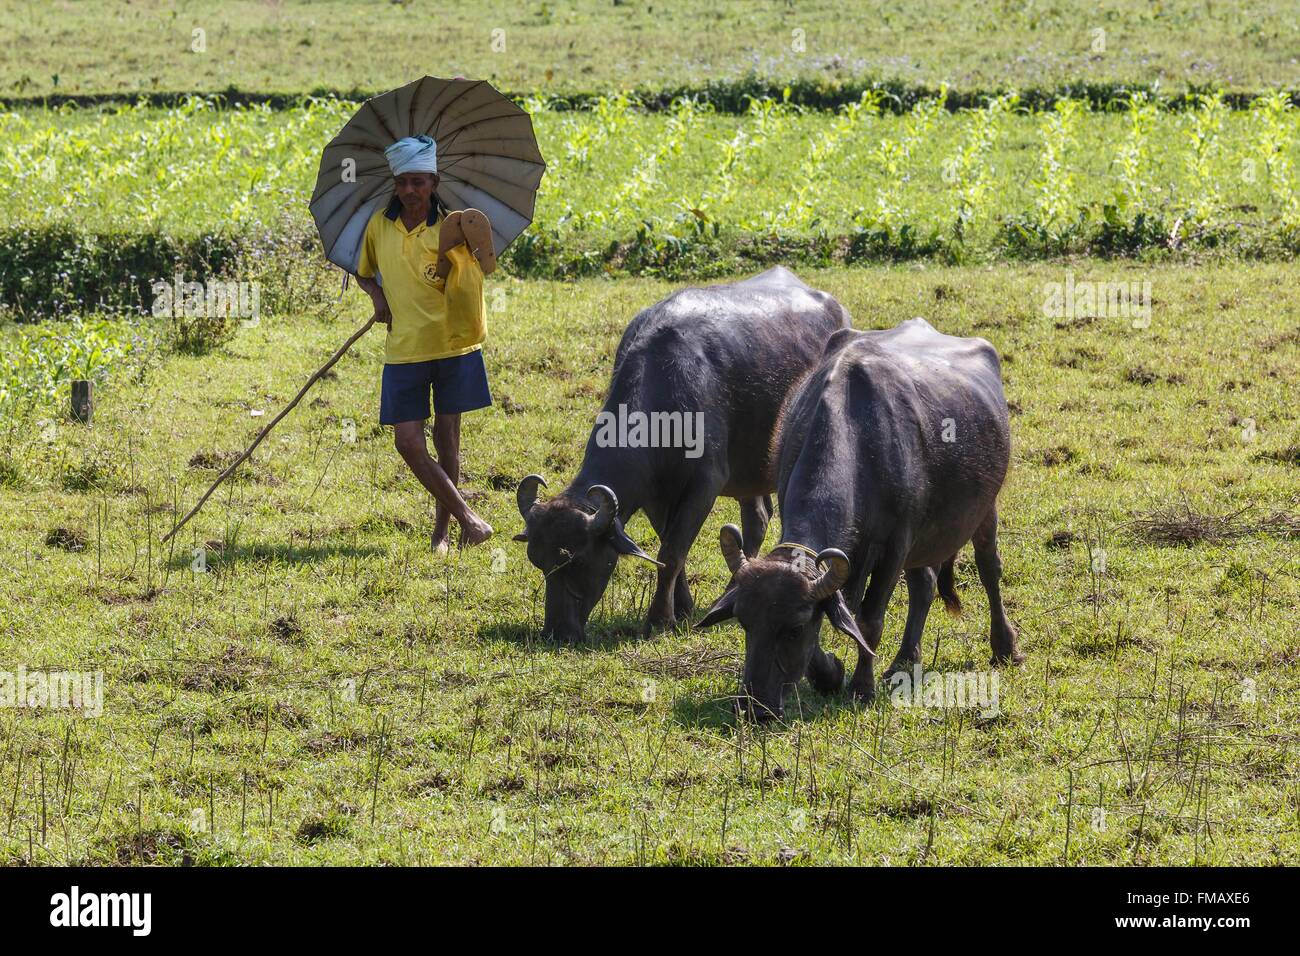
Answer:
(891, 455)
(720, 361)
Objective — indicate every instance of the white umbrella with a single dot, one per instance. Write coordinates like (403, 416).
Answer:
(487, 159)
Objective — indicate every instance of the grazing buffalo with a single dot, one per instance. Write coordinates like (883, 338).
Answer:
(698, 385)
(890, 458)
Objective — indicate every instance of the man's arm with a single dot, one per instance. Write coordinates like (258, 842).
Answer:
(373, 289)
(365, 276)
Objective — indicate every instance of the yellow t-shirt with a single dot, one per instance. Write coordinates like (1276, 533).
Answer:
(431, 319)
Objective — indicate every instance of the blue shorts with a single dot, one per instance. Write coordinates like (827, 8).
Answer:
(458, 384)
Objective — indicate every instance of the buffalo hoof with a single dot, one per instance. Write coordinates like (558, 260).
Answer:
(864, 695)
(1006, 644)
(901, 665)
(569, 639)
(657, 625)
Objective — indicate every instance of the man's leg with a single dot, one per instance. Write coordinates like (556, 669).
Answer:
(409, 438)
(446, 443)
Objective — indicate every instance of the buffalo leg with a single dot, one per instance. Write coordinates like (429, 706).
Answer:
(1002, 635)
(871, 621)
(920, 595)
(755, 513)
(683, 603)
(680, 531)
(825, 672)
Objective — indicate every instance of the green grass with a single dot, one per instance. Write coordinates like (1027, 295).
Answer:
(98, 202)
(198, 170)
(144, 46)
(39, 361)
(470, 741)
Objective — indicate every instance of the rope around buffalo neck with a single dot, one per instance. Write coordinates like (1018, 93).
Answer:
(795, 546)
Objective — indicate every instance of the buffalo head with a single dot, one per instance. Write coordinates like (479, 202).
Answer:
(576, 548)
(780, 603)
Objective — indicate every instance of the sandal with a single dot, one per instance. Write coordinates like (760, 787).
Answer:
(450, 236)
(477, 230)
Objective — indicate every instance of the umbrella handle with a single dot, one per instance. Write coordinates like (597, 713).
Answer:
(275, 421)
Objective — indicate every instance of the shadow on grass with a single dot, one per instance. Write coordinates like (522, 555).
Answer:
(718, 714)
(604, 633)
(219, 559)
(705, 713)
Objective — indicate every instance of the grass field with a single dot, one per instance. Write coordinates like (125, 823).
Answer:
(297, 679)
(328, 691)
(371, 45)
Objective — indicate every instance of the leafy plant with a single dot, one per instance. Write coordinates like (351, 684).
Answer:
(703, 212)
(1202, 126)
(1274, 121)
(1135, 190)
(37, 362)
(968, 171)
(1055, 203)
(893, 160)
(799, 212)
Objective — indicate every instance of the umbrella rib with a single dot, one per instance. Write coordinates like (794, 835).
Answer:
(489, 119)
(379, 117)
(465, 92)
(466, 157)
(486, 175)
(468, 154)
(415, 97)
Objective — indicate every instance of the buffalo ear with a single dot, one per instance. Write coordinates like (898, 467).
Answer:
(723, 609)
(625, 545)
(841, 618)
(521, 536)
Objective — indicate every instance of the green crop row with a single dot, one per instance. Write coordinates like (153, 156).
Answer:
(97, 203)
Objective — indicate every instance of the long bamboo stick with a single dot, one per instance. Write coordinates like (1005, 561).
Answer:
(275, 421)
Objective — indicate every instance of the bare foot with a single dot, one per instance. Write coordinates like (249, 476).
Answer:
(440, 540)
(474, 531)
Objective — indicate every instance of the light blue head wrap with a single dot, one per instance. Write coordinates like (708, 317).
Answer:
(414, 154)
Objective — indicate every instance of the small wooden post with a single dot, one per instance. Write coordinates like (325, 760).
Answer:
(83, 401)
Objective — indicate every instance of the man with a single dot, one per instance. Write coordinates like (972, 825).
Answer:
(436, 328)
